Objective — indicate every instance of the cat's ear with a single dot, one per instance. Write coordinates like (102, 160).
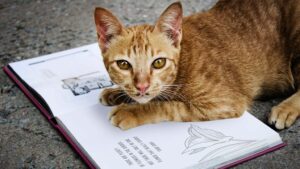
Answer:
(170, 23)
(108, 27)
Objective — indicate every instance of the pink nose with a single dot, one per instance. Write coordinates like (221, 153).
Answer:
(142, 87)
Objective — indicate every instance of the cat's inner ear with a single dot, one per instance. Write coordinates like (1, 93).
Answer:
(170, 23)
(107, 26)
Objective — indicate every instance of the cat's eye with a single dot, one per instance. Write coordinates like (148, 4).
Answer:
(123, 64)
(159, 63)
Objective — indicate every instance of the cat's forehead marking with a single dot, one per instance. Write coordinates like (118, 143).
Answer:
(139, 44)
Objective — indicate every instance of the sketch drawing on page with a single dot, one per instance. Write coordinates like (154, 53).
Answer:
(210, 144)
(85, 83)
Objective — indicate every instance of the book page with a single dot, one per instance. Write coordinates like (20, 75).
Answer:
(67, 80)
(164, 145)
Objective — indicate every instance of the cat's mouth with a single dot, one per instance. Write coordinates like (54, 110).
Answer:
(143, 98)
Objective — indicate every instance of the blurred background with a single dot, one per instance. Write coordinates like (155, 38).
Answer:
(30, 28)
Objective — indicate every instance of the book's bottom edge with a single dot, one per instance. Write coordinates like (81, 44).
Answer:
(253, 156)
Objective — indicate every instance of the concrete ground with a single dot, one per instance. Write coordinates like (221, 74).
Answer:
(31, 28)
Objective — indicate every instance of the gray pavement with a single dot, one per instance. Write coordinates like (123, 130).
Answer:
(31, 28)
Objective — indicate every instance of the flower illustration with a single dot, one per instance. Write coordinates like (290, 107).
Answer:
(211, 143)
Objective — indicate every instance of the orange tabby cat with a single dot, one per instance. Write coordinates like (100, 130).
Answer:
(206, 66)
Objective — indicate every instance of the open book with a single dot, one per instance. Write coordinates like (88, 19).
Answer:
(65, 86)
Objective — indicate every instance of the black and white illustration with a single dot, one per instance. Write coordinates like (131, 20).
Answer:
(209, 144)
(85, 83)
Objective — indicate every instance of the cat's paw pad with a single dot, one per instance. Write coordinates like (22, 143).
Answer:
(107, 97)
(123, 119)
(283, 116)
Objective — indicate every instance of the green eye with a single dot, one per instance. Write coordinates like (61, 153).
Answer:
(159, 63)
(123, 64)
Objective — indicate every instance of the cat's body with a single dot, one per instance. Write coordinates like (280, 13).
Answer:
(216, 65)
(234, 53)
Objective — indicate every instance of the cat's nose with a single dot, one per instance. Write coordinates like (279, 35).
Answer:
(142, 87)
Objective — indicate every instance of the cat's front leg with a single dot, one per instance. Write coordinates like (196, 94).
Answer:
(113, 97)
(127, 116)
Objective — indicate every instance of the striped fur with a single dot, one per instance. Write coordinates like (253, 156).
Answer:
(218, 62)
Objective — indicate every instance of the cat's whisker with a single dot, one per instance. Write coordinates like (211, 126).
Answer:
(169, 95)
(176, 95)
(120, 96)
(159, 98)
(127, 99)
(165, 97)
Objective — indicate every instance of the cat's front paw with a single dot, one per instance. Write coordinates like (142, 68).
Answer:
(123, 118)
(283, 116)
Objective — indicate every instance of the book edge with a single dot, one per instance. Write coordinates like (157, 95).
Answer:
(253, 156)
(46, 114)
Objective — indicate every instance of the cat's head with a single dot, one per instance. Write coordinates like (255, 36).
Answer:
(142, 59)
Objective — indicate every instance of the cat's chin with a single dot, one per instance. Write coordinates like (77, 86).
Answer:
(143, 100)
